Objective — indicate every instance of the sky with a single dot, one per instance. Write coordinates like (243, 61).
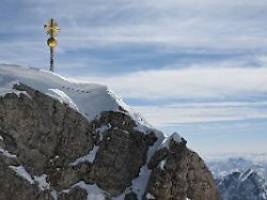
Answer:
(195, 67)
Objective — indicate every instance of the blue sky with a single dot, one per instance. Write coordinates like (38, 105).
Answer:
(195, 67)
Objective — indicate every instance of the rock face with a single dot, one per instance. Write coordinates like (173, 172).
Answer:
(50, 151)
(179, 172)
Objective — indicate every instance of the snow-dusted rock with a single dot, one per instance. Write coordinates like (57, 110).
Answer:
(65, 140)
(179, 172)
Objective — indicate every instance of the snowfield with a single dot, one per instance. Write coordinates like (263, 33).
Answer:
(88, 98)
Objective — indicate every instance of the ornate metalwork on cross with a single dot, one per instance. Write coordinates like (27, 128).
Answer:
(52, 28)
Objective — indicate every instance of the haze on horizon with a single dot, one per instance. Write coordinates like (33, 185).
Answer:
(195, 67)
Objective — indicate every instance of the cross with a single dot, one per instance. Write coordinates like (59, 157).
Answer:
(51, 28)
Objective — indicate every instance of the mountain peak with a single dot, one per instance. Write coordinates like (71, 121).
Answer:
(66, 140)
(75, 94)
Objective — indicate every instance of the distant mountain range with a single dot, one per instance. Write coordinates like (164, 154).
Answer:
(240, 178)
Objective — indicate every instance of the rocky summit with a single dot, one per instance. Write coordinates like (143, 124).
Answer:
(70, 141)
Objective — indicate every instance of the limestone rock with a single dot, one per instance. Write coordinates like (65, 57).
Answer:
(57, 148)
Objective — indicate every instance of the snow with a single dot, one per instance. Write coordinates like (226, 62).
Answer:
(135, 115)
(20, 171)
(41, 181)
(162, 164)
(89, 98)
(102, 129)
(4, 92)
(90, 157)
(1, 138)
(140, 182)
(246, 174)
(63, 98)
(175, 136)
(54, 194)
(149, 196)
(7, 154)
(93, 191)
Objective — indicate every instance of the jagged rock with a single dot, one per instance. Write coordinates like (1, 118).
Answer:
(58, 147)
(200, 180)
(36, 127)
(13, 187)
(178, 173)
(121, 155)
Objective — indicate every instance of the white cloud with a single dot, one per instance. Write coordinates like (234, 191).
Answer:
(184, 24)
(220, 90)
(167, 115)
(203, 24)
(189, 83)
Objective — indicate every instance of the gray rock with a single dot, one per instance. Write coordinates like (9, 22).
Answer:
(74, 194)
(178, 173)
(13, 187)
(45, 135)
(50, 138)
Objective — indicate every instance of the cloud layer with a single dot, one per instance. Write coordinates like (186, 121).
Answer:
(196, 94)
(204, 27)
(190, 83)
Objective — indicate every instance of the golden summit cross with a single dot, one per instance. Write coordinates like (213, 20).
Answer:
(52, 28)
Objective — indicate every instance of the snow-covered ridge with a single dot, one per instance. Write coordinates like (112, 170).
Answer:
(88, 98)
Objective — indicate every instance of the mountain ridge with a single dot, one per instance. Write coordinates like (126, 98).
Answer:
(60, 143)
(241, 177)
